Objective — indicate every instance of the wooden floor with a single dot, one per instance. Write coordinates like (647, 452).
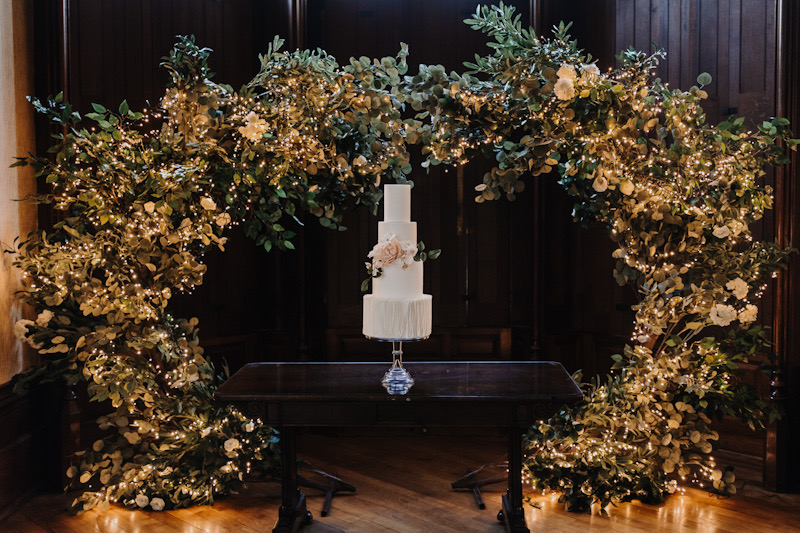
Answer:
(403, 484)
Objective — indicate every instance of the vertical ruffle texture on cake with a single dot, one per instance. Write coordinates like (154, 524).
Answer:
(397, 319)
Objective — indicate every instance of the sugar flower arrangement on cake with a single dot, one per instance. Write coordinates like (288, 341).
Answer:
(390, 249)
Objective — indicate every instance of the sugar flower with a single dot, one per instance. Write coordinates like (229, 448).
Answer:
(390, 249)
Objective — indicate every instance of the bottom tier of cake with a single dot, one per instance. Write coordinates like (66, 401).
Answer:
(397, 319)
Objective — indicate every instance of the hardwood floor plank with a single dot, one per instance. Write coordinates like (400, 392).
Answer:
(403, 486)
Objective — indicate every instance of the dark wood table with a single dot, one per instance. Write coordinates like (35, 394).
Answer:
(481, 394)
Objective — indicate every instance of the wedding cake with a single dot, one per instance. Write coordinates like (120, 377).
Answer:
(396, 309)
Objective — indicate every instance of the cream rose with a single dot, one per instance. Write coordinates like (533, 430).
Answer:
(21, 328)
(386, 252)
(738, 287)
(565, 89)
(231, 444)
(589, 72)
(722, 314)
(157, 504)
(749, 314)
(568, 72)
(142, 500)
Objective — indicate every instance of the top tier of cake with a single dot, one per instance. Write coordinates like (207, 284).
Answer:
(397, 203)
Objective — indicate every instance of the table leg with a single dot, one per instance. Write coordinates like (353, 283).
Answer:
(513, 515)
(293, 512)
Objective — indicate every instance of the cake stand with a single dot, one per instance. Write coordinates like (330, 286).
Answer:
(397, 381)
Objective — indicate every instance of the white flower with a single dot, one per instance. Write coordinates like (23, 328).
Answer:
(565, 89)
(600, 184)
(722, 314)
(44, 318)
(390, 249)
(567, 72)
(21, 328)
(150, 207)
(627, 187)
(738, 287)
(205, 432)
(589, 72)
(157, 504)
(749, 314)
(254, 128)
(231, 444)
(223, 219)
(142, 500)
(208, 204)
(249, 427)
(721, 232)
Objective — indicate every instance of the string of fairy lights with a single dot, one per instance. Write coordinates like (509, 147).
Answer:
(145, 195)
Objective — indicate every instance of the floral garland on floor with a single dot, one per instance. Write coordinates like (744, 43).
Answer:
(142, 207)
(678, 196)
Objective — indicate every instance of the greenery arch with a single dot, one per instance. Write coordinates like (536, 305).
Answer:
(142, 205)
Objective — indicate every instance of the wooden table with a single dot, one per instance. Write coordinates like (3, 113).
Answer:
(479, 394)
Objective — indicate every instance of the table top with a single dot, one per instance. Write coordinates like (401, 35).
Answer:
(490, 381)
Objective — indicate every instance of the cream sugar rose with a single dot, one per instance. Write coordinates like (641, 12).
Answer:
(397, 309)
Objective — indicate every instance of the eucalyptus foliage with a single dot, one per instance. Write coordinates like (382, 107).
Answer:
(144, 197)
(678, 196)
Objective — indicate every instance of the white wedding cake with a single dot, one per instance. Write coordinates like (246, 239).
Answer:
(397, 309)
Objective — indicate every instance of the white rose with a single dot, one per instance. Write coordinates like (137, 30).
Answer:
(600, 184)
(142, 500)
(589, 72)
(627, 187)
(231, 444)
(249, 427)
(749, 314)
(568, 72)
(150, 207)
(738, 287)
(722, 314)
(721, 232)
(205, 432)
(44, 318)
(157, 504)
(21, 328)
(565, 89)
(208, 204)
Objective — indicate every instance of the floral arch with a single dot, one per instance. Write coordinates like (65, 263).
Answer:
(145, 196)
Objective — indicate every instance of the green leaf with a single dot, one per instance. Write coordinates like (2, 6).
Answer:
(704, 78)
(365, 285)
(124, 108)
(98, 108)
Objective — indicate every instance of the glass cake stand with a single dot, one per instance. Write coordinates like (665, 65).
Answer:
(397, 381)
